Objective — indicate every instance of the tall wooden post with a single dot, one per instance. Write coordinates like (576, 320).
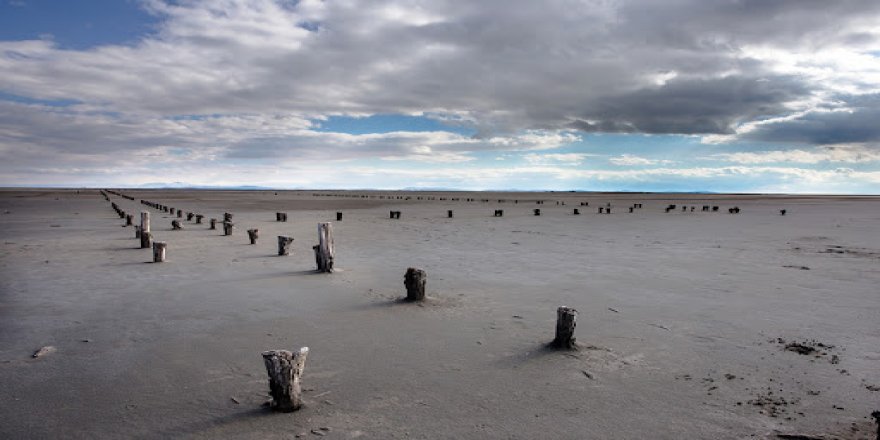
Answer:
(339, 216)
(227, 228)
(199, 219)
(128, 219)
(285, 371)
(145, 221)
(324, 251)
(158, 251)
(565, 322)
(284, 245)
(449, 213)
(253, 235)
(414, 280)
(179, 213)
(213, 223)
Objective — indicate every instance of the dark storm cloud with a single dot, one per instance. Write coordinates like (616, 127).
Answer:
(857, 121)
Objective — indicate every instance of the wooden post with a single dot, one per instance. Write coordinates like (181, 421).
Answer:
(176, 225)
(449, 213)
(128, 219)
(146, 240)
(565, 322)
(199, 219)
(145, 221)
(414, 280)
(253, 235)
(339, 216)
(189, 216)
(227, 217)
(213, 223)
(576, 212)
(137, 231)
(324, 251)
(179, 213)
(227, 228)
(285, 371)
(391, 214)
(537, 211)
(158, 251)
(782, 212)
(601, 210)
(284, 245)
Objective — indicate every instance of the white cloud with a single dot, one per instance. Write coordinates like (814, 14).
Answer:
(631, 160)
(570, 159)
(844, 154)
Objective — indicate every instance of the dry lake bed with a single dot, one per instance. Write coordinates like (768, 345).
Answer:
(691, 325)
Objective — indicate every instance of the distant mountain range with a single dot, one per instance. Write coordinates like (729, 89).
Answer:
(182, 185)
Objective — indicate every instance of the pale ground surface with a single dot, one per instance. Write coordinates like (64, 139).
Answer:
(695, 296)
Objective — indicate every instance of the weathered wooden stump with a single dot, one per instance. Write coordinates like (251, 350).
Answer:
(714, 209)
(280, 216)
(537, 211)
(565, 322)
(128, 219)
(576, 212)
(782, 212)
(449, 213)
(176, 225)
(499, 213)
(324, 251)
(189, 216)
(227, 228)
(601, 210)
(285, 371)
(284, 245)
(137, 231)
(391, 214)
(179, 213)
(146, 240)
(414, 280)
(253, 235)
(199, 218)
(158, 251)
(145, 221)
(631, 209)
(339, 216)
(227, 217)
(608, 210)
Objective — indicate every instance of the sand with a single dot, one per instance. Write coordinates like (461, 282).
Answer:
(684, 318)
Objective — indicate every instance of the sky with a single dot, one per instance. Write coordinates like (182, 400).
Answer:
(597, 95)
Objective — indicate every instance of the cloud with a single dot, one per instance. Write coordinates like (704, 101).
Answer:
(847, 154)
(570, 159)
(851, 119)
(627, 71)
(630, 160)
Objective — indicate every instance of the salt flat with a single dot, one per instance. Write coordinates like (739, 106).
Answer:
(684, 317)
